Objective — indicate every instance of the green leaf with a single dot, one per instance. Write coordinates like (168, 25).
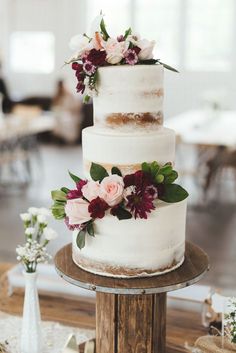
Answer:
(121, 213)
(171, 178)
(98, 172)
(103, 30)
(74, 177)
(146, 167)
(127, 32)
(173, 193)
(148, 62)
(115, 170)
(58, 195)
(65, 190)
(90, 229)
(166, 169)
(58, 211)
(86, 99)
(80, 240)
(168, 67)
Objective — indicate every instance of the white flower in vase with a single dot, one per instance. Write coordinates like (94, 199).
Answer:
(26, 217)
(50, 234)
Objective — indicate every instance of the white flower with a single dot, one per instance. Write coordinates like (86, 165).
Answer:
(115, 50)
(146, 47)
(133, 38)
(29, 231)
(42, 219)
(95, 25)
(44, 211)
(33, 211)
(20, 250)
(26, 217)
(50, 234)
(80, 44)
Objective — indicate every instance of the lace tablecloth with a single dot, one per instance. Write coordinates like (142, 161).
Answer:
(55, 335)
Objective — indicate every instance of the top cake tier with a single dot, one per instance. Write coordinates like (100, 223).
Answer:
(129, 96)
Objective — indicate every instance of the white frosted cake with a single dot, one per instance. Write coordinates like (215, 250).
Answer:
(127, 214)
(128, 111)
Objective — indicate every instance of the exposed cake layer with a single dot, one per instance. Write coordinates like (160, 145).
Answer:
(126, 151)
(140, 247)
(129, 96)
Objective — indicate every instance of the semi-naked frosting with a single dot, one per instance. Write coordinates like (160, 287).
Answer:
(129, 97)
(128, 113)
(136, 247)
(125, 150)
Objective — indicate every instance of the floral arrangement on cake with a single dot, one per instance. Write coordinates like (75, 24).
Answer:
(37, 236)
(131, 196)
(230, 320)
(100, 49)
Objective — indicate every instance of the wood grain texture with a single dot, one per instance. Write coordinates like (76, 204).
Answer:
(159, 322)
(105, 323)
(195, 265)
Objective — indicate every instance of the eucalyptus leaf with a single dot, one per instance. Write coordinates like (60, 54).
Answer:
(98, 172)
(173, 193)
(115, 170)
(90, 229)
(58, 195)
(80, 240)
(74, 177)
(148, 62)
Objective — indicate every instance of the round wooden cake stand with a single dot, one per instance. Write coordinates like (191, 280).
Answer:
(131, 313)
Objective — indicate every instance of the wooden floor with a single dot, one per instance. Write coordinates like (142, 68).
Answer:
(182, 326)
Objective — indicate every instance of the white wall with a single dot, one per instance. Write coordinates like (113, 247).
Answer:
(65, 18)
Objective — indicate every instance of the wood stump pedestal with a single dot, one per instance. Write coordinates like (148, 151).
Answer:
(131, 313)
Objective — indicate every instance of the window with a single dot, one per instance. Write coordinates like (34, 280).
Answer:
(209, 34)
(32, 52)
(159, 20)
(117, 14)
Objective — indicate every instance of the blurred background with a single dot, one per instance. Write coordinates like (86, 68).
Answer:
(41, 116)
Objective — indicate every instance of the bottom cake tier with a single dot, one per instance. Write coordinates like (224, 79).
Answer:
(135, 248)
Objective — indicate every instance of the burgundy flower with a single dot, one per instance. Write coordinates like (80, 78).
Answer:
(80, 87)
(152, 191)
(80, 75)
(131, 57)
(89, 68)
(136, 49)
(76, 66)
(140, 204)
(97, 208)
(80, 184)
(120, 38)
(97, 57)
(73, 194)
(139, 179)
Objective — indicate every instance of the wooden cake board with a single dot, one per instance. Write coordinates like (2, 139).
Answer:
(131, 313)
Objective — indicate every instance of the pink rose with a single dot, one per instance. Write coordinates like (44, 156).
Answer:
(115, 50)
(111, 189)
(77, 211)
(146, 47)
(91, 190)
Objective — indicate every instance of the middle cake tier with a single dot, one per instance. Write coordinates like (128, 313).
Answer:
(126, 151)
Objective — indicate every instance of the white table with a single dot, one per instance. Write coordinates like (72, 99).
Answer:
(16, 127)
(205, 128)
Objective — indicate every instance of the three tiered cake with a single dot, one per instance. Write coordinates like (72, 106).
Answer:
(128, 217)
